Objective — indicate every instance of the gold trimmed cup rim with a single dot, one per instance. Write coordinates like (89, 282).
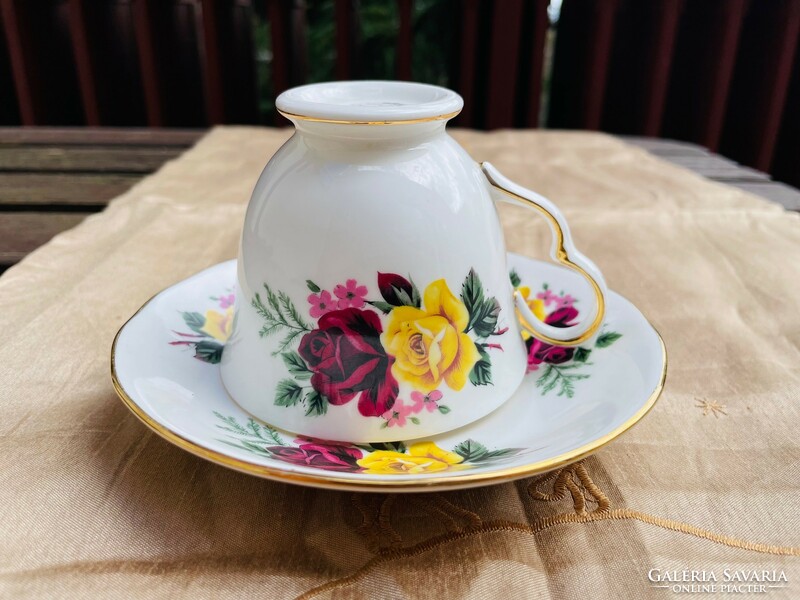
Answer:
(369, 103)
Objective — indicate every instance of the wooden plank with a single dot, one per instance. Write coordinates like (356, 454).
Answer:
(580, 63)
(785, 195)
(345, 39)
(468, 62)
(277, 12)
(23, 232)
(703, 65)
(212, 62)
(660, 51)
(23, 63)
(786, 164)
(636, 91)
(539, 26)
(405, 9)
(148, 62)
(662, 147)
(9, 111)
(80, 36)
(718, 168)
(761, 83)
(96, 159)
(52, 189)
(104, 135)
(503, 63)
(299, 52)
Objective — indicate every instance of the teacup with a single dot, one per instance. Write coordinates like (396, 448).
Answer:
(373, 301)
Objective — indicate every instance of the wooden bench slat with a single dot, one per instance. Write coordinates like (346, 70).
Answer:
(503, 63)
(81, 36)
(760, 86)
(58, 190)
(99, 135)
(405, 39)
(84, 158)
(23, 232)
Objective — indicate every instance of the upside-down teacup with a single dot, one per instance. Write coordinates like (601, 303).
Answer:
(373, 299)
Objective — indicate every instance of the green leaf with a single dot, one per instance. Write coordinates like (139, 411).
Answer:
(415, 420)
(313, 286)
(208, 351)
(316, 404)
(288, 393)
(472, 295)
(296, 365)
(253, 447)
(394, 446)
(231, 422)
(194, 321)
(481, 373)
(416, 299)
(247, 446)
(484, 321)
(554, 376)
(404, 298)
(515, 279)
(291, 313)
(470, 450)
(606, 339)
(384, 307)
(443, 409)
(582, 355)
(273, 433)
(495, 454)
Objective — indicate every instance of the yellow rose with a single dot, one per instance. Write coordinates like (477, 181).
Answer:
(536, 305)
(218, 325)
(430, 345)
(422, 457)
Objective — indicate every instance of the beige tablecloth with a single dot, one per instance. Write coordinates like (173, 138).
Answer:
(94, 505)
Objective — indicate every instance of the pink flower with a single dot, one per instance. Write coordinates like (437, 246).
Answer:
(565, 301)
(320, 304)
(422, 401)
(351, 295)
(226, 301)
(397, 414)
(547, 296)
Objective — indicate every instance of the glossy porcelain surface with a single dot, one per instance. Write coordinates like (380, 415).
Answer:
(372, 269)
(165, 364)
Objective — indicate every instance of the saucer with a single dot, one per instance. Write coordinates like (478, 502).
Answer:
(573, 401)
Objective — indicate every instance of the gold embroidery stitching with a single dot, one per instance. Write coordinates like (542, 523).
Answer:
(711, 407)
(376, 517)
(575, 479)
(541, 525)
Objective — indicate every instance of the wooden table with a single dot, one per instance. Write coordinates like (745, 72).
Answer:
(51, 179)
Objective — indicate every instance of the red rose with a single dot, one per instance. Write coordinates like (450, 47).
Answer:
(396, 289)
(539, 351)
(329, 457)
(347, 359)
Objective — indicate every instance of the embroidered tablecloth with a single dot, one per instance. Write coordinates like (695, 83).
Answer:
(92, 504)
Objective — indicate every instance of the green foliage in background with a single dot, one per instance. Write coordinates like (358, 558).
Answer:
(378, 23)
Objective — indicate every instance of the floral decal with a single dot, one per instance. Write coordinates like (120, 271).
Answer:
(354, 348)
(434, 341)
(561, 366)
(210, 331)
(383, 459)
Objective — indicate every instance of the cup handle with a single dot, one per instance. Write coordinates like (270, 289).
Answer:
(563, 251)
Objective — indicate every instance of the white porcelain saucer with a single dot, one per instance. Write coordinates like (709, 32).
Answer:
(164, 366)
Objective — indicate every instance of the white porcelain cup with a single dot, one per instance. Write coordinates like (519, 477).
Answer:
(373, 301)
